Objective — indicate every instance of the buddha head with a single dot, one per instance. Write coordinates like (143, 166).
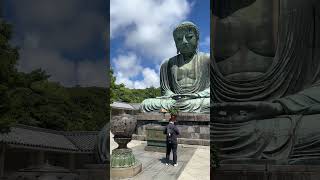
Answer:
(186, 37)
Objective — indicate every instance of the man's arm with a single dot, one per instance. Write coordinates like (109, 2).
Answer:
(176, 130)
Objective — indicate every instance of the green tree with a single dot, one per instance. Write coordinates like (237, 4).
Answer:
(8, 59)
(90, 108)
(31, 99)
(113, 86)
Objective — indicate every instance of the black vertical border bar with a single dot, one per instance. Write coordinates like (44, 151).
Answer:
(211, 85)
(108, 79)
(1, 9)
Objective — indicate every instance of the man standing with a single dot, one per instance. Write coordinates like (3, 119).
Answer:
(172, 132)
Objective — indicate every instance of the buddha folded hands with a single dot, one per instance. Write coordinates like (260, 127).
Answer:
(270, 111)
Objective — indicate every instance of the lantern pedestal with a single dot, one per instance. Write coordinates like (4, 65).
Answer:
(123, 162)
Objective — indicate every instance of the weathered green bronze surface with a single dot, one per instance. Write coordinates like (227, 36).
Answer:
(265, 78)
(184, 78)
(122, 158)
(156, 140)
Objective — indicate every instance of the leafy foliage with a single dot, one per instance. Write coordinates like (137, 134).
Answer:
(8, 59)
(31, 99)
(173, 111)
(90, 108)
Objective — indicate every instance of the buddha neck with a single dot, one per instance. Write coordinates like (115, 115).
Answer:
(243, 51)
(187, 57)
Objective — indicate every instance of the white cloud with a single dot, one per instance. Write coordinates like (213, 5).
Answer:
(206, 42)
(147, 25)
(71, 25)
(129, 64)
(61, 69)
(150, 77)
(120, 79)
(146, 28)
(47, 31)
(92, 73)
(50, 61)
(128, 68)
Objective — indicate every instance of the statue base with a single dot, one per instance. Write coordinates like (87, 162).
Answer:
(156, 140)
(194, 128)
(156, 149)
(126, 172)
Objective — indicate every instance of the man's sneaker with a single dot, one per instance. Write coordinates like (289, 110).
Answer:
(167, 164)
(175, 165)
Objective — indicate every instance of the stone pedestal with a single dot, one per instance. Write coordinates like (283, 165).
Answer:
(194, 128)
(123, 162)
(126, 172)
(156, 140)
(122, 158)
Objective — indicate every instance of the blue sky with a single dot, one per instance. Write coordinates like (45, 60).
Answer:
(141, 36)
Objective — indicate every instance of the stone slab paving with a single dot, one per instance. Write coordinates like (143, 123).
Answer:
(198, 168)
(193, 162)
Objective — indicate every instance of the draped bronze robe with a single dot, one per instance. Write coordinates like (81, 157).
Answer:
(292, 81)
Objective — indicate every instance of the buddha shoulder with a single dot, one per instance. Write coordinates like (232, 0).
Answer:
(204, 56)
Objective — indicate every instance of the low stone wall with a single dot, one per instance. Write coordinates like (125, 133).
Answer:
(194, 128)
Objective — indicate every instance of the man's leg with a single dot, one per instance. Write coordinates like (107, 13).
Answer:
(174, 151)
(168, 152)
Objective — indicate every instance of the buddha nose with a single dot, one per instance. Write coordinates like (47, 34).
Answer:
(184, 41)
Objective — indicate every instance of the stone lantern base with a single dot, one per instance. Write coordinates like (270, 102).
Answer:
(122, 158)
(123, 162)
(126, 172)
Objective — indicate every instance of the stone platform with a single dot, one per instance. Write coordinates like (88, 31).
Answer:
(194, 162)
(266, 172)
(194, 128)
(153, 164)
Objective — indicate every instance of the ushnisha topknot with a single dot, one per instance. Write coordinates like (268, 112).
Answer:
(187, 24)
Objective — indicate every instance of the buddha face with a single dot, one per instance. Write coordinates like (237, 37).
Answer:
(186, 40)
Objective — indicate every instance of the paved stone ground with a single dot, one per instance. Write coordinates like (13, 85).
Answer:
(199, 165)
(193, 163)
